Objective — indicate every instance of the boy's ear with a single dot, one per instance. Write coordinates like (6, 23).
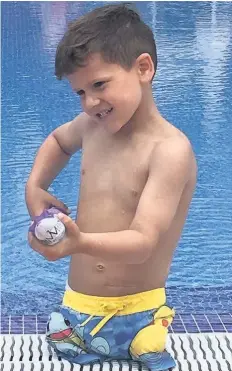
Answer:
(145, 67)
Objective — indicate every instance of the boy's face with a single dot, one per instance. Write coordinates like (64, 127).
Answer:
(109, 93)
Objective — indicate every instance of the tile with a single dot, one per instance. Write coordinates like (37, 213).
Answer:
(218, 328)
(199, 323)
(41, 328)
(194, 331)
(5, 331)
(42, 318)
(15, 323)
(5, 324)
(212, 317)
(15, 318)
(40, 331)
(189, 324)
(226, 318)
(187, 320)
(29, 322)
(203, 330)
(4, 318)
(29, 317)
(180, 331)
(198, 316)
(177, 323)
(30, 325)
(16, 331)
(16, 326)
(29, 331)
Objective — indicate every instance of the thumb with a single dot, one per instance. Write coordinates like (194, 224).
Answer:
(70, 225)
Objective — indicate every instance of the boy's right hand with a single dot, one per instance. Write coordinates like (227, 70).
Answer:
(38, 199)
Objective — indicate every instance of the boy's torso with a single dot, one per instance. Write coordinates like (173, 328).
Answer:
(113, 175)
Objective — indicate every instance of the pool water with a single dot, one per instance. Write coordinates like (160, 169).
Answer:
(192, 89)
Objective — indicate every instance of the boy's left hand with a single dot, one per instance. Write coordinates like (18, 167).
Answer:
(67, 246)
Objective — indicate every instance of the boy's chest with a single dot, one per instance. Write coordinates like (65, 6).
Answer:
(118, 172)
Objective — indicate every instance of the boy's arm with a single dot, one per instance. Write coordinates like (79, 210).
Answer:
(170, 169)
(51, 158)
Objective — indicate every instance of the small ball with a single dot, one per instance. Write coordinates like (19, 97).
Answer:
(50, 230)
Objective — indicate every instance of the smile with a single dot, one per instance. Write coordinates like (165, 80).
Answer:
(104, 113)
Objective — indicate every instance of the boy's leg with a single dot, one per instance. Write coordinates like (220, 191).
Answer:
(148, 346)
(66, 342)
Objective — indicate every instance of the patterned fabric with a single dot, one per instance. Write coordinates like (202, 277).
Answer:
(138, 336)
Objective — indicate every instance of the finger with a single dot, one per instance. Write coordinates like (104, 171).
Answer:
(70, 225)
(50, 253)
(65, 219)
(55, 202)
(36, 244)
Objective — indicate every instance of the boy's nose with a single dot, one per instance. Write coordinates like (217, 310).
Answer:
(91, 102)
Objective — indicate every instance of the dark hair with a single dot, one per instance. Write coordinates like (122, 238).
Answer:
(115, 31)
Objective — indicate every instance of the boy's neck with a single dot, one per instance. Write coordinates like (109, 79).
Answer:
(145, 119)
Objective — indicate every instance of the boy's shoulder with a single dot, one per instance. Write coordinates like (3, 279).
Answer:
(175, 152)
(174, 141)
(71, 134)
(177, 142)
(84, 122)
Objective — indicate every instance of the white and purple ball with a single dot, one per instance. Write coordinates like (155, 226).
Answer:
(50, 230)
(47, 227)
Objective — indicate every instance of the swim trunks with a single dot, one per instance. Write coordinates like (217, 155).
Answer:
(90, 329)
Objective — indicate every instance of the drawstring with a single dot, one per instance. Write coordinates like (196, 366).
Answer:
(162, 312)
(104, 321)
(113, 308)
(86, 321)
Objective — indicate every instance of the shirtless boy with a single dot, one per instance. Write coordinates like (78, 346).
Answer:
(138, 175)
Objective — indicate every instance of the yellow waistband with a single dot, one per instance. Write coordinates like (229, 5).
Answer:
(122, 305)
(110, 306)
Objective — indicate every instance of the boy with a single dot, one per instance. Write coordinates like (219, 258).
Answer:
(138, 176)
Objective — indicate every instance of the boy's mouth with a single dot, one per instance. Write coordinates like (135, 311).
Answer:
(104, 113)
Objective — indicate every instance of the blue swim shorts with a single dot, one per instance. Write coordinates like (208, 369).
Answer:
(90, 329)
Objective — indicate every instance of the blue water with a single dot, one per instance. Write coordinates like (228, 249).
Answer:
(192, 89)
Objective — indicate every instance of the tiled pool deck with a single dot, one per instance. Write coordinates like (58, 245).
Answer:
(183, 323)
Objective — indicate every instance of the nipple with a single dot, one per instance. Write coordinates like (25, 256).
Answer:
(134, 193)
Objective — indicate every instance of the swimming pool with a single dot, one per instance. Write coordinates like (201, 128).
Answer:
(193, 90)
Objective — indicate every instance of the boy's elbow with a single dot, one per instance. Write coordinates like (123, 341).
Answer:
(147, 245)
(147, 249)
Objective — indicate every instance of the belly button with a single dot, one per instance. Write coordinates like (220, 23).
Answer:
(100, 267)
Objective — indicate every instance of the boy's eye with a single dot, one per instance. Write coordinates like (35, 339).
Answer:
(98, 84)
